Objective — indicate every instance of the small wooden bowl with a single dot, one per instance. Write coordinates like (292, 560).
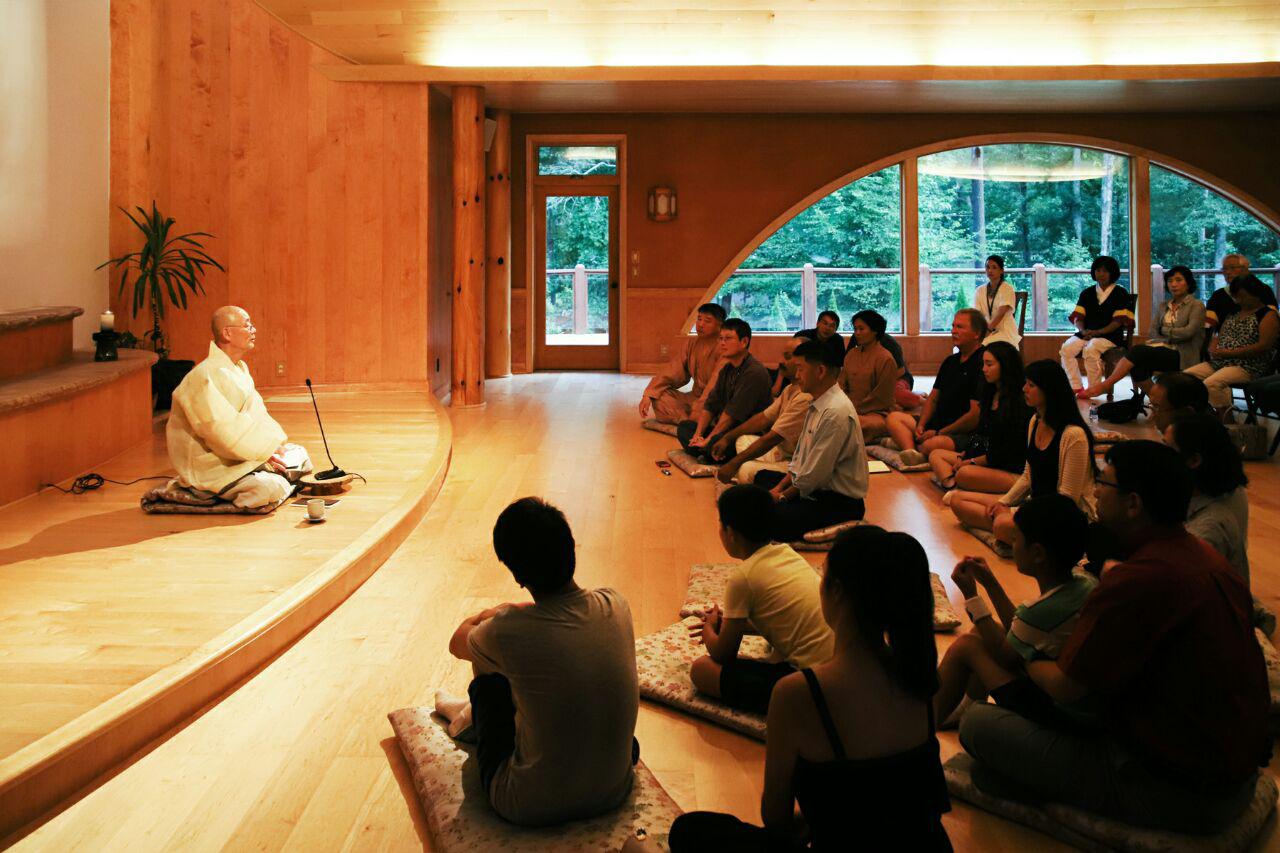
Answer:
(312, 486)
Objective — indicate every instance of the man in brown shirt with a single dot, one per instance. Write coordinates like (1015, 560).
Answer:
(698, 360)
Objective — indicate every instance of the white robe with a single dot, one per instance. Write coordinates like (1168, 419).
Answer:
(219, 429)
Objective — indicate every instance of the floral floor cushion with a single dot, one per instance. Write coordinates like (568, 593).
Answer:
(458, 814)
(944, 615)
(707, 582)
(986, 537)
(1092, 832)
(1103, 437)
(893, 458)
(685, 461)
(1272, 658)
(659, 426)
(662, 663)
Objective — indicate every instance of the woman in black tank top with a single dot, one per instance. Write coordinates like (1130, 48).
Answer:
(852, 740)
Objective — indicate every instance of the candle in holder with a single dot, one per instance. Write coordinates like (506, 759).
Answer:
(107, 321)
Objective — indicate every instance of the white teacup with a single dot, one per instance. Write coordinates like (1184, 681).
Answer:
(315, 509)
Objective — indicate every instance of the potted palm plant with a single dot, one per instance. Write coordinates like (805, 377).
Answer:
(162, 272)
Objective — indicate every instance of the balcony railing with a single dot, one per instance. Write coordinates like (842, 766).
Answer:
(579, 320)
(1046, 285)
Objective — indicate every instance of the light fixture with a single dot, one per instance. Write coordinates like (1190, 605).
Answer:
(1009, 163)
(662, 204)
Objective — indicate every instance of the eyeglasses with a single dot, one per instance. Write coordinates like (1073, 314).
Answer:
(1116, 486)
(248, 327)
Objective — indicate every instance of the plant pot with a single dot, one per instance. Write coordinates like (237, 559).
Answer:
(166, 375)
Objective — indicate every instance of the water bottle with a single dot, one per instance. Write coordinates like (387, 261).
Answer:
(1093, 414)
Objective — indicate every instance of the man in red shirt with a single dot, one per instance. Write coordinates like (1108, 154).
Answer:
(1165, 652)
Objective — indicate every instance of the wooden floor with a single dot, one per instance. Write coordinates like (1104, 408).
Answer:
(301, 756)
(103, 608)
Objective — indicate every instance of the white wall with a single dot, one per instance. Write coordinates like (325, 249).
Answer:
(54, 155)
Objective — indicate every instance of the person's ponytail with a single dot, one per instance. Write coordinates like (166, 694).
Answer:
(886, 580)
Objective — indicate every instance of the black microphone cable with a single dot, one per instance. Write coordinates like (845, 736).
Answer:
(89, 482)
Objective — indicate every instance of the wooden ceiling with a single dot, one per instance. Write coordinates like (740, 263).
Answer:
(812, 55)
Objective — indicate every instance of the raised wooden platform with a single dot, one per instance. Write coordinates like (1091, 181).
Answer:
(116, 626)
(301, 756)
(61, 420)
(32, 339)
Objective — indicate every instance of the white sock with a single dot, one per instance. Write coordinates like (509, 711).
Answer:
(450, 707)
(459, 725)
(953, 721)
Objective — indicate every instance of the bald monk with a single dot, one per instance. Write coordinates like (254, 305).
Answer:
(221, 439)
(697, 361)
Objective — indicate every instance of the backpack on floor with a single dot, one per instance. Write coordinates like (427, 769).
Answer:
(1121, 411)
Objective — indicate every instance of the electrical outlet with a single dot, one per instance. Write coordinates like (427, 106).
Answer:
(662, 350)
(279, 368)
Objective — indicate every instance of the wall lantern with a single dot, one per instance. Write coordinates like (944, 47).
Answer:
(662, 204)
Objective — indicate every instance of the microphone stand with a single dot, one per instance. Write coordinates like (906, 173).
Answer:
(335, 472)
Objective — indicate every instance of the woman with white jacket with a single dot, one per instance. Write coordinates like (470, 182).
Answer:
(1059, 456)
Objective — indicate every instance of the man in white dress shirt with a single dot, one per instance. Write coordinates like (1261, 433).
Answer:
(827, 477)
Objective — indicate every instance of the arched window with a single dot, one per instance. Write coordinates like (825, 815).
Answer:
(1194, 226)
(843, 253)
(1048, 210)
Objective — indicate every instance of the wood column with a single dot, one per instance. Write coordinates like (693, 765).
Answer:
(1140, 242)
(497, 245)
(468, 246)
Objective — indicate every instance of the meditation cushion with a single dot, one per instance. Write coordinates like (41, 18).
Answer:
(986, 537)
(824, 537)
(1270, 655)
(685, 461)
(459, 817)
(1092, 832)
(662, 664)
(707, 582)
(173, 499)
(659, 426)
(893, 458)
(1103, 437)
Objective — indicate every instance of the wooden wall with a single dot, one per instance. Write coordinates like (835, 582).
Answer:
(440, 244)
(317, 192)
(734, 174)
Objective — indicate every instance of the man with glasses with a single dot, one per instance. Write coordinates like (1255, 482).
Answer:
(221, 439)
(1165, 653)
(1221, 304)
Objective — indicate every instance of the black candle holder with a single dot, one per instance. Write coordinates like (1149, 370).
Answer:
(106, 342)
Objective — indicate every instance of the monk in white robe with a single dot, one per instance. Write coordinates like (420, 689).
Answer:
(221, 439)
(698, 360)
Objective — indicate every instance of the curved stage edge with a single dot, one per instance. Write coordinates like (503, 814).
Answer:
(37, 779)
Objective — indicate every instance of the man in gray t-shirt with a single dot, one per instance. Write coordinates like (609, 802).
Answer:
(555, 698)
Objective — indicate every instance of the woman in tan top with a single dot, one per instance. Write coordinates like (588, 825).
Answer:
(869, 374)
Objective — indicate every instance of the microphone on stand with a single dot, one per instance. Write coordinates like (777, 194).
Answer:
(334, 472)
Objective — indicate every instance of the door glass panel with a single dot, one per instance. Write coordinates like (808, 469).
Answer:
(577, 160)
(577, 270)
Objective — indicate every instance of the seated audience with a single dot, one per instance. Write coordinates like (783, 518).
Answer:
(1059, 457)
(1245, 346)
(997, 450)
(741, 389)
(1222, 304)
(903, 396)
(1174, 341)
(827, 478)
(1101, 315)
(996, 301)
(773, 590)
(220, 438)
(1177, 393)
(1048, 540)
(851, 741)
(780, 425)
(950, 411)
(1165, 650)
(560, 757)
(870, 374)
(697, 361)
(1219, 511)
(825, 332)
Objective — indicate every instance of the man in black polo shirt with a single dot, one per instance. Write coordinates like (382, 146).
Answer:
(742, 389)
(1221, 304)
(825, 332)
(950, 411)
